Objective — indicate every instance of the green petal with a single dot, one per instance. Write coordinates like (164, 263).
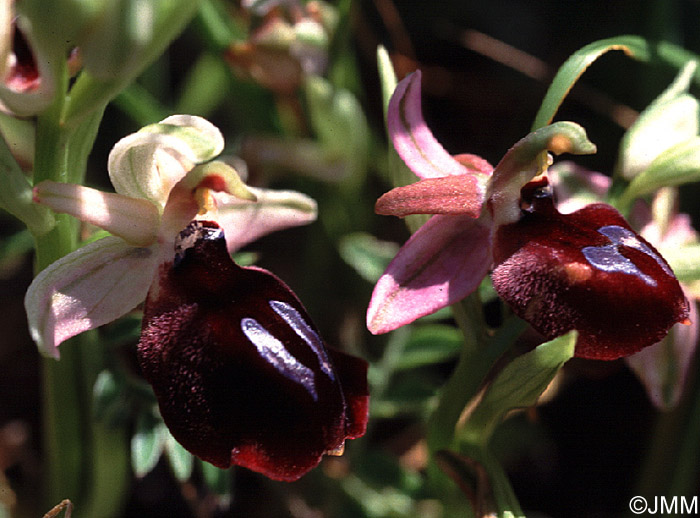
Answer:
(148, 164)
(576, 65)
(528, 158)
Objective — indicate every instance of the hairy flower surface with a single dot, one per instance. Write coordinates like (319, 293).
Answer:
(262, 390)
(239, 370)
(663, 367)
(587, 271)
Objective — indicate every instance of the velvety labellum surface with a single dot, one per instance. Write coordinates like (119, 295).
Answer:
(241, 374)
(588, 271)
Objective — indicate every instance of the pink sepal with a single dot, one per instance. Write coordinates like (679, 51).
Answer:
(663, 367)
(412, 138)
(440, 264)
(244, 221)
(462, 194)
(87, 288)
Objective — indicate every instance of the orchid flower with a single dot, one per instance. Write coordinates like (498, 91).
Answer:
(240, 373)
(663, 367)
(290, 42)
(587, 271)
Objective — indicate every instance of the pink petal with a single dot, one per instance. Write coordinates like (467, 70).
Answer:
(440, 264)
(663, 367)
(133, 219)
(412, 138)
(245, 221)
(87, 288)
(462, 194)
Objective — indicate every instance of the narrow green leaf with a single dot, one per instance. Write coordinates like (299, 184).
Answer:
(576, 65)
(518, 385)
(206, 87)
(430, 344)
(142, 106)
(147, 443)
(670, 119)
(387, 77)
(406, 395)
(181, 461)
(677, 165)
(366, 254)
(111, 405)
(216, 26)
(399, 173)
(339, 123)
(217, 480)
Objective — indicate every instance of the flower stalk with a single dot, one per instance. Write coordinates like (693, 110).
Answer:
(86, 460)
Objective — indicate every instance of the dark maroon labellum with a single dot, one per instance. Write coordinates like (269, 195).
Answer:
(239, 370)
(587, 271)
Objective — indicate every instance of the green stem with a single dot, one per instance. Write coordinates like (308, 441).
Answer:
(63, 422)
(466, 380)
(86, 462)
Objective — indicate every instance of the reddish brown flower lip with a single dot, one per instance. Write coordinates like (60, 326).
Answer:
(239, 370)
(589, 271)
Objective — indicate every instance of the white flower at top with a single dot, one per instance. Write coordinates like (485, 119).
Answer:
(163, 178)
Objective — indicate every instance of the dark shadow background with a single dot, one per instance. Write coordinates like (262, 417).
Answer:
(593, 437)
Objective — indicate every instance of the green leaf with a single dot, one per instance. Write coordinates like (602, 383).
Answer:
(685, 262)
(387, 77)
(181, 461)
(518, 385)
(576, 65)
(206, 87)
(107, 397)
(399, 172)
(142, 106)
(670, 119)
(408, 395)
(677, 165)
(147, 443)
(366, 254)
(430, 344)
(217, 480)
(340, 124)
(634, 46)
